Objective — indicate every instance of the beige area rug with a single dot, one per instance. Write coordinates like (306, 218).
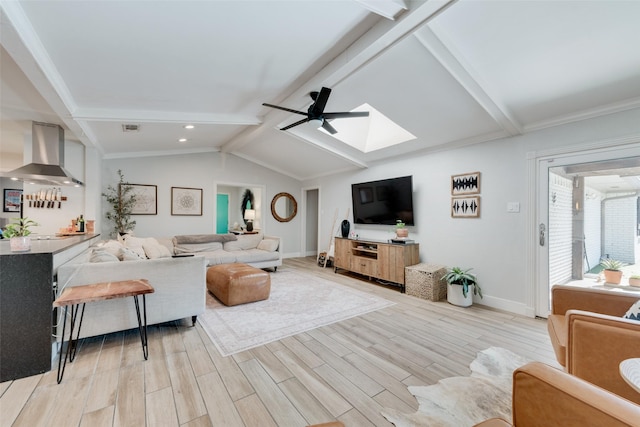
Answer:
(465, 401)
(298, 302)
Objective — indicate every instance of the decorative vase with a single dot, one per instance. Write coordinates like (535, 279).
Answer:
(455, 297)
(613, 277)
(402, 233)
(344, 228)
(20, 243)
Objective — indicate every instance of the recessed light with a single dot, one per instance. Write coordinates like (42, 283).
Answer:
(182, 140)
(189, 126)
(13, 178)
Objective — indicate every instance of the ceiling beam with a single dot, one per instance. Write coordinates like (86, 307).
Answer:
(449, 57)
(128, 116)
(389, 9)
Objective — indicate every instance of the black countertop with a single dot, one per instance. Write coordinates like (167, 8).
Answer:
(47, 246)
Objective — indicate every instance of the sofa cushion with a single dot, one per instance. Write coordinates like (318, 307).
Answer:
(269, 245)
(255, 255)
(102, 255)
(203, 238)
(189, 248)
(153, 249)
(244, 242)
(219, 256)
(634, 312)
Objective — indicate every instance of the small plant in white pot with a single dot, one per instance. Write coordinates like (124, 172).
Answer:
(459, 282)
(18, 232)
(612, 270)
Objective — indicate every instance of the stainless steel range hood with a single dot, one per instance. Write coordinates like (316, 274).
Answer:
(47, 165)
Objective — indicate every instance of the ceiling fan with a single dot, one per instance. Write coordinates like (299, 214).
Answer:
(316, 112)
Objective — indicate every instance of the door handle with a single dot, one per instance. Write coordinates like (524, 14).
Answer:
(542, 229)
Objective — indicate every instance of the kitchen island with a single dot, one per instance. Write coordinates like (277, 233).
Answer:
(27, 291)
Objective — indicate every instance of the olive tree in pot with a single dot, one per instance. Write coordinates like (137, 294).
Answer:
(459, 282)
(18, 232)
(122, 200)
(612, 270)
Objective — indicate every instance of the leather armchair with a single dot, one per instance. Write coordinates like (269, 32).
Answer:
(590, 337)
(545, 396)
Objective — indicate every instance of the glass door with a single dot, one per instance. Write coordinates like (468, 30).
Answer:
(587, 211)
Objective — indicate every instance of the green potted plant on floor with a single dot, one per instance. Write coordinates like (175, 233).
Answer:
(122, 200)
(459, 282)
(612, 270)
(18, 232)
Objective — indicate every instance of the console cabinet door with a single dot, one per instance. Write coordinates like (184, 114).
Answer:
(391, 263)
(342, 249)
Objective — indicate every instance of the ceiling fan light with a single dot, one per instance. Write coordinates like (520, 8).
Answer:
(316, 123)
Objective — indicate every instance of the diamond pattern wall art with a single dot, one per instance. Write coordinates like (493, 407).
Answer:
(465, 207)
(468, 183)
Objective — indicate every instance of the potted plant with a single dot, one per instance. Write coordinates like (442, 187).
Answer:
(612, 271)
(455, 277)
(634, 280)
(401, 231)
(18, 232)
(122, 200)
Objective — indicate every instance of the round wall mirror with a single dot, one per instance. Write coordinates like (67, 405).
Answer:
(284, 207)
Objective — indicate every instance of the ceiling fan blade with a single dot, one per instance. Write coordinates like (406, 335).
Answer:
(346, 114)
(326, 126)
(321, 101)
(295, 124)
(284, 109)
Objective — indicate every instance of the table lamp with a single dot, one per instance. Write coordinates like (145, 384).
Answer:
(249, 216)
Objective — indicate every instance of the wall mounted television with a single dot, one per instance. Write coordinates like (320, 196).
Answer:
(383, 202)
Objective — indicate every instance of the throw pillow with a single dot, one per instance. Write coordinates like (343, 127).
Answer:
(101, 255)
(135, 244)
(268, 245)
(153, 249)
(113, 247)
(634, 312)
(127, 254)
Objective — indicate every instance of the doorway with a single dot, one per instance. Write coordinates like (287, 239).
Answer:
(587, 210)
(311, 222)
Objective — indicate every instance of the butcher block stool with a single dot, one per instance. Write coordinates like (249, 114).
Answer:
(74, 296)
(238, 283)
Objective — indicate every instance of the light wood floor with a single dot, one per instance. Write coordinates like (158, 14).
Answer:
(347, 371)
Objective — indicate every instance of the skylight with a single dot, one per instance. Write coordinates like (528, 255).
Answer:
(369, 133)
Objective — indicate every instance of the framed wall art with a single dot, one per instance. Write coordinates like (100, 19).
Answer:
(146, 199)
(12, 200)
(186, 201)
(468, 183)
(465, 207)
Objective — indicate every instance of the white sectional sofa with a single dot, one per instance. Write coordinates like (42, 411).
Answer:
(179, 283)
(256, 250)
(175, 267)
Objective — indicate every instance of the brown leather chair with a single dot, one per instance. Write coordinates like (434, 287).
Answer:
(590, 337)
(545, 396)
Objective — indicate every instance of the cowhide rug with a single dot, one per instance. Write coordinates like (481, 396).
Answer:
(465, 401)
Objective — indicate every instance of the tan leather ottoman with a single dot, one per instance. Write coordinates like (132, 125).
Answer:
(237, 283)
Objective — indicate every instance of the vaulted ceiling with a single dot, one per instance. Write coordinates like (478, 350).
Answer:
(450, 72)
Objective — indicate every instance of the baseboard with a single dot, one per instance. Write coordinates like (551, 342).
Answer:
(506, 305)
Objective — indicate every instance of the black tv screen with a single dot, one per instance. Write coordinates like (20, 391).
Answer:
(383, 202)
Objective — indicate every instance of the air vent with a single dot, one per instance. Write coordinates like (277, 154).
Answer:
(130, 128)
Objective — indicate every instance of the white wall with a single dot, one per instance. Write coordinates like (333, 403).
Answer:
(202, 170)
(494, 244)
